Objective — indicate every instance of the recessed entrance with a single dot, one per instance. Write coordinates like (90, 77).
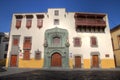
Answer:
(56, 60)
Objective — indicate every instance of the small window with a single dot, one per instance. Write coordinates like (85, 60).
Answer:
(6, 47)
(38, 55)
(77, 42)
(18, 23)
(56, 41)
(93, 42)
(28, 23)
(39, 23)
(56, 13)
(27, 43)
(56, 21)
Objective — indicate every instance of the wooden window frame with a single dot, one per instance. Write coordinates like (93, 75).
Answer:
(39, 23)
(28, 23)
(18, 23)
(56, 21)
(28, 44)
(15, 41)
(38, 55)
(93, 44)
(56, 12)
(78, 43)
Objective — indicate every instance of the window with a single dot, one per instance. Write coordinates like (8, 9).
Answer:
(38, 55)
(39, 23)
(56, 41)
(26, 55)
(6, 47)
(56, 13)
(18, 23)
(56, 21)
(5, 55)
(39, 20)
(118, 41)
(27, 43)
(15, 42)
(28, 23)
(93, 42)
(77, 42)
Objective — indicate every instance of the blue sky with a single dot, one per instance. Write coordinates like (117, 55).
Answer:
(8, 7)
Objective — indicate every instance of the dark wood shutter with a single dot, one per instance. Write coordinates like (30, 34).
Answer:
(39, 23)
(18, 23)
(26, 55)
(13, 61)
(29, 23)
(95, 61)
(56, 60)
(93, 41)
(77, 42)
(15, 42)
(27, 43)
(77, 62)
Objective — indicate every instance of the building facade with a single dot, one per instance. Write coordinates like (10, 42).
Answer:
(4, 40)
(57, 38)
(115, 33)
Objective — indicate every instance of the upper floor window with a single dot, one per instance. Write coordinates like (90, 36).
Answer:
(40, 20)
(18, 21)
(56, 13)
(56, 41)
(39, 23)
(37, 55)
(29, 21)
(93, 42)
(56, 21)
(27, 43)
(6, 47)
(77, 42)
(15, 41)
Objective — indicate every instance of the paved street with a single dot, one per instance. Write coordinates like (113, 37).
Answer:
(65, 75)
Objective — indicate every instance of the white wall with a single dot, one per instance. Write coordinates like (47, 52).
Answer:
(68, 22)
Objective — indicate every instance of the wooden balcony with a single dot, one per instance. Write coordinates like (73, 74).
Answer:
(90, 22)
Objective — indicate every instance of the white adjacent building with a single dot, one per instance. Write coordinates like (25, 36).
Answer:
(4, 40)
(57, 38)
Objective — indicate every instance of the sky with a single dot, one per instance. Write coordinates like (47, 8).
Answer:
(9, 7)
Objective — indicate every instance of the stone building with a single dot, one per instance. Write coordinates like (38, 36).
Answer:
(61, 39)
(115, 33)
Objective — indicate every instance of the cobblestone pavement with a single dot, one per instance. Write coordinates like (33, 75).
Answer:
(65, 75)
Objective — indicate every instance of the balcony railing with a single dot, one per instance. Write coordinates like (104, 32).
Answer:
(90, 22)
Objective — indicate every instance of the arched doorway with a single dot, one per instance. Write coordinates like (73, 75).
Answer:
(56, 60)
